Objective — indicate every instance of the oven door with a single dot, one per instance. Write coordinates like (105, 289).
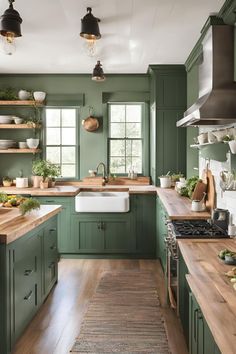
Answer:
(172, 278)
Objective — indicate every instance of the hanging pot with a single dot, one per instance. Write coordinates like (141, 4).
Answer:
(90, 124)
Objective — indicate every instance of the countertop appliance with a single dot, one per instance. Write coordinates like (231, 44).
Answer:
(186, 229)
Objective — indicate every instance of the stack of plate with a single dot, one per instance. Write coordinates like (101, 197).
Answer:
(6, 144)
(6, 119)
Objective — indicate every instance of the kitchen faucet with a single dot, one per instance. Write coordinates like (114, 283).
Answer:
(104, 174)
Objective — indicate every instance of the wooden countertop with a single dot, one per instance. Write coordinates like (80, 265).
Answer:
(212, 288)
(20, 225)
(178, 207)
(70, 191)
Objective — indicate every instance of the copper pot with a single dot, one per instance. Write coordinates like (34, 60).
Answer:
(90, 124)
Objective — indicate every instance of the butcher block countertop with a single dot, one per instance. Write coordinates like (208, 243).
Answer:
(72, 190)
(178, 207)
(212, 288)
(19, 225)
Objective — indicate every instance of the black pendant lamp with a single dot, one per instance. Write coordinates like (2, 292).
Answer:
(10, 22)
(98, 74)
(89, 26)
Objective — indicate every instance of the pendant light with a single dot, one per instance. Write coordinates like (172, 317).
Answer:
(98, 74)
(10, 28)
(90, 31)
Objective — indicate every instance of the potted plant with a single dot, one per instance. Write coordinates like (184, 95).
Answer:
(54, 171)
(41, 169)
(6, 181)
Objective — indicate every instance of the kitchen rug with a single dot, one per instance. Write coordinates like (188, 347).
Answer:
(124, 316)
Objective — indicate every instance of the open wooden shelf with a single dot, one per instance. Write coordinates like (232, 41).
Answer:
(21, 103)
(18, 126)
(199, 146)
(20, 151)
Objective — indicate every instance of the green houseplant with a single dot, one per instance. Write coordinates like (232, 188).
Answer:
(54, 171)
(40, 168)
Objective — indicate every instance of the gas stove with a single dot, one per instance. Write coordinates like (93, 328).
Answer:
(196, 229)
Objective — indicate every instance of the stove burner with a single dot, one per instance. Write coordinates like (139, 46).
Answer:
(197, 228)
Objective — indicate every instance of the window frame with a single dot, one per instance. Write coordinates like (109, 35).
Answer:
(144, 136)
(77, 145)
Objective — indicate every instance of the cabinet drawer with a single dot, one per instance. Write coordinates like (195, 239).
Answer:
(26, 305)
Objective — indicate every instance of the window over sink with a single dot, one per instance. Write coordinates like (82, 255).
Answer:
(125, 141)
(61, 141)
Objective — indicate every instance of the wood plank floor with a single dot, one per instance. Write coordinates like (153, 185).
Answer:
(57, 324)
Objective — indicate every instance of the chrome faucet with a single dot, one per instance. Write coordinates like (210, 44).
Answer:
(104, 174)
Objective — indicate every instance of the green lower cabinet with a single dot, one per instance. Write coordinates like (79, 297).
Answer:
(103, 234)
(65, 236)
(201, 340)
(161, 233)
(183, 287)
(26, 277)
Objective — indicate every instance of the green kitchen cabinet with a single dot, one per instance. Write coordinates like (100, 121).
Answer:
(65, 235)
(201, 340)
(25, 279)
(102, 233)
(161, 233)
(167, 105)
(50, 258)
(183, 287)
(143, 216)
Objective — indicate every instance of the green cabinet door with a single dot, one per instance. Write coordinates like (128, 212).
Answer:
(161, 233)
(144, 219)
(50, 258)
(26, 280)
(65, 236)
(118, 236)
(201, 340)
(183, 296)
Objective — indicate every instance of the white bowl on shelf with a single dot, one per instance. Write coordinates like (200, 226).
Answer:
(23, 145)
(23, 95)
(32, 143)
(39, 96)
(18, 120)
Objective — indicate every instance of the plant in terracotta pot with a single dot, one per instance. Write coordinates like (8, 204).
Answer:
(40, 168)
(7, 181)
(54, 171)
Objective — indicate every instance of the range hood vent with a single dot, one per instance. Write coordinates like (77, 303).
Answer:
(216, 104)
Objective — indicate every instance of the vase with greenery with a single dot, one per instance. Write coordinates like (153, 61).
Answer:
(40, 168)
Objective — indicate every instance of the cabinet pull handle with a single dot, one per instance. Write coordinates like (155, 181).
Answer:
(200, 317)
(99, 225)
(53, 229)
(27, 297)
(51, 265)
(50, 201)
(53, 247)
(27, 272)
(195, 324)
(103, 225)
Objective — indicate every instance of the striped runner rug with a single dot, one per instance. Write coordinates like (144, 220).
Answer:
(124, 316)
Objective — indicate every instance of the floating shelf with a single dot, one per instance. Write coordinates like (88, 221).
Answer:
(20, 151)
(18, 126)
(21, 103)
(199, 146)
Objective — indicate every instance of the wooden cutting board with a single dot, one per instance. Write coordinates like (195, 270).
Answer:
(199, 190)
(211, 192)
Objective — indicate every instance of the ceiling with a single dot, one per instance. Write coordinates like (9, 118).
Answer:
(134, 34)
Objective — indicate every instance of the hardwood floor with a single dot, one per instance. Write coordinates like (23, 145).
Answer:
(57, 324)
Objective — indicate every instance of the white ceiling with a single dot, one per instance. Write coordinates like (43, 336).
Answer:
(135, 33)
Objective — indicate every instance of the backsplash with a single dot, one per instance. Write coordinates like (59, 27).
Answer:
(225, 200)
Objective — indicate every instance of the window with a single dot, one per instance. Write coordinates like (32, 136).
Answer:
(125, 138)
(61, 140)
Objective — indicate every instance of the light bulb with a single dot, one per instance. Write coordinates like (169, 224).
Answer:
(90, 47)
(8, 43)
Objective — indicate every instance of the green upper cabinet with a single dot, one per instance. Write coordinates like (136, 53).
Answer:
(168, 103)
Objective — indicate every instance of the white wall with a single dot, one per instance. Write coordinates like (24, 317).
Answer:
(225, 200)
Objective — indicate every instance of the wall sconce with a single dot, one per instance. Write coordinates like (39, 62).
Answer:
(10, 28)
(90, 31)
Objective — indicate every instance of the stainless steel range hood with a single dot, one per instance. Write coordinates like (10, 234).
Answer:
(216, 104)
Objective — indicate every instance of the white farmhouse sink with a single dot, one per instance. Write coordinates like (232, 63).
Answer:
(102, 202)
